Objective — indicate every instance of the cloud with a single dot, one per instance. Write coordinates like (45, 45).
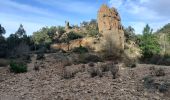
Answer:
(141, 12)
(15, 6)
(73, 6)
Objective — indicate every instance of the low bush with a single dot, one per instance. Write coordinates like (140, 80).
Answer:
(91, 64)
(95, 72)
(86, 58)
(115, 71)
(40, 56)
(36, 66)
(73, 36)
(151, 83)
(160, 72)
(18, 67)
(148, 82)
(157, 71)
(80, 49)
(164, 87)
(105, 67)
(3, 62)
(132, 63)
(67, 74)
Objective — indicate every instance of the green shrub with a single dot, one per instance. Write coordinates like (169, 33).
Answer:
(73, 36)
(80, 49)
(18, 67)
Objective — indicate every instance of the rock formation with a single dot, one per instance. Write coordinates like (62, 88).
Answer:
(109, 22)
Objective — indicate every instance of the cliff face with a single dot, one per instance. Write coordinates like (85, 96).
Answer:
(109, 22)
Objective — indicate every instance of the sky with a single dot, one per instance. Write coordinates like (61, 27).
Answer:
(35, 14)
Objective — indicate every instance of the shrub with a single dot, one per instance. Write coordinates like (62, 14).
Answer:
(164, 87)
(160, 72)
(148, 82)
(86, 58)
(73, 36)
(109, 47)
(3, 62)
(40, 56)
(114, 70)
(93, 58)
(36, 66)
(80, 49)
(157, 71)
(132, 63)
(151, 83)
(67, 74)
(91, 64)
(18, 67)
(95, 72)
(105, 67)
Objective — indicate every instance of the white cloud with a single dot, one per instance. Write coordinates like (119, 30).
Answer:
(116, 3)
(142, 12)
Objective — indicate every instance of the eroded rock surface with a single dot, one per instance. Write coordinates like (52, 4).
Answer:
(109, 22)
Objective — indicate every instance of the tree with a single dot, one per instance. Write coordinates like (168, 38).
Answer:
(3, 45)
(2, 30)
(21, 31)
(70, 36)
(149, 43)
(130, 33)
(41, 37)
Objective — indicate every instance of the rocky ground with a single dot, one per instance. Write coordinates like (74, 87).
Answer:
(47, 83)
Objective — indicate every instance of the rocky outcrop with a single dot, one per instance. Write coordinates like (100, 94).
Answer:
(89, 42)
(109, 21)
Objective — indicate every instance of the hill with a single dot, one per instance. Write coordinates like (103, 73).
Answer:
(165, 29)
(164, 36)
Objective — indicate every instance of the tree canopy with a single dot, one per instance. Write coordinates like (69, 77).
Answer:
(149, 43)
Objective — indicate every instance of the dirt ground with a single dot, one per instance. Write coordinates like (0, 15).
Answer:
(47, 83)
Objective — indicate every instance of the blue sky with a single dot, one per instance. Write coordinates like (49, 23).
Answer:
(34, 14)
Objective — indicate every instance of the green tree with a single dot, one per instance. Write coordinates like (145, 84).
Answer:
(3, 46)
(21, 31)
(2, 30)
(70, 36)
(149, 43)
(130, 33)
(42, 37)
(92, 28)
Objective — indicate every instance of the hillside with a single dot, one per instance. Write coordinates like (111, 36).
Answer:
(164, 36)
(165, 29)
